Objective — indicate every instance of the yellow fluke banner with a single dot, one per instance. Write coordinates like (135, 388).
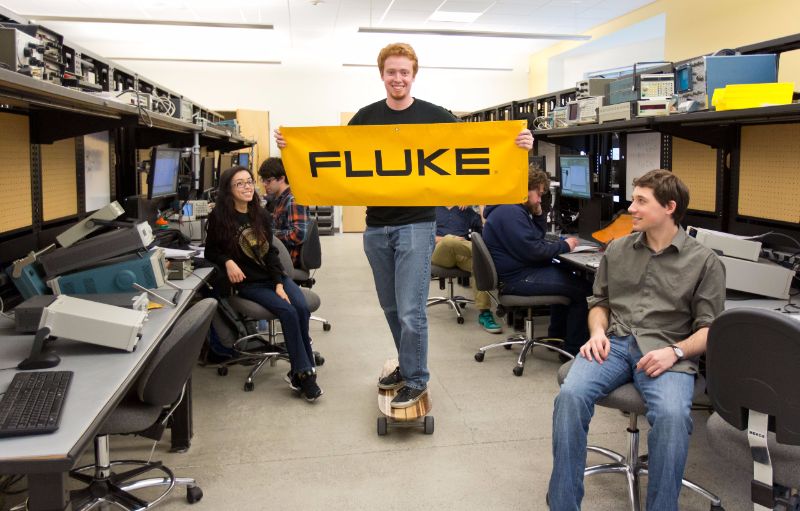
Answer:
(407, 164)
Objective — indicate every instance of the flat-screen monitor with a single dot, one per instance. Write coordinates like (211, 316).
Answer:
(575, 177)
(162, 180)
(244, 160)
(207, 181)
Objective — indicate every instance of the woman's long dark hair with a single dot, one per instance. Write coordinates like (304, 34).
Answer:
(225, 213)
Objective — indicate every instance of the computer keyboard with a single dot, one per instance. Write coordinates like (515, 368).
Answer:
(32, 403)
(552, 236)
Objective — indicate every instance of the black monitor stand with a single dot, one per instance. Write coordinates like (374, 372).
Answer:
(39, 358)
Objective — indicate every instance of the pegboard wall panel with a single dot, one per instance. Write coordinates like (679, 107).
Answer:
(696, 165)
(769, 172)
(15, 173)
(59, 180)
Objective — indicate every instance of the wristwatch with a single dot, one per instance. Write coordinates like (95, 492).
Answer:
(678, 351)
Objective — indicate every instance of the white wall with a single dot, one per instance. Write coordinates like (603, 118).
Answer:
(308, 93)
(641, 42)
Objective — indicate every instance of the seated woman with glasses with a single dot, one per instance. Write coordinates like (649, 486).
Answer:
(239, 239)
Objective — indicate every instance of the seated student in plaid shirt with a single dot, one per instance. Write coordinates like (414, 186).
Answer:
(289, 219)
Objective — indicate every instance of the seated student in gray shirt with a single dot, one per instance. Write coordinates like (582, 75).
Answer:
(655, 294)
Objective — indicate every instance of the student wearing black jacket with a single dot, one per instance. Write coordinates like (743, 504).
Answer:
(514, 235)
(239, 241)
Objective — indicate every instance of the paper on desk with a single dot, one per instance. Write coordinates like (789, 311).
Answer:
(174, 253)
(585, 248)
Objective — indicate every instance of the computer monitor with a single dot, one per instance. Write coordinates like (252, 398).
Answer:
(575, 177)
(207, 181)
(162, 180)
(244, 160)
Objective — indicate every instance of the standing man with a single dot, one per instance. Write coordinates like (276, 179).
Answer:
(656, 292)
(399, 241)
(289, 219)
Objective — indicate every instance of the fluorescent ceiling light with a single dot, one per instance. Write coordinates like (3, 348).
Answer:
(472, 33)
(455, 17)
(130, 21)
(213, 61)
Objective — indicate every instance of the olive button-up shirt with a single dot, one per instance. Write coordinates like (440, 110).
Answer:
(659, 297)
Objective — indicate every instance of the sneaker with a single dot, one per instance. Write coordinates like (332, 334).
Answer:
(392, 380)
(293, 380)
(486, 319)
(407, 397)
(308, 387)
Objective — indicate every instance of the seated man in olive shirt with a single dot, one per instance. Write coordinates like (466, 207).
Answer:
(655, 294)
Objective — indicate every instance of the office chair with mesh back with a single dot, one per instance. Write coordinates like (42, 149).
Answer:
(255, 346)
(752, 363)
(456, 302)
(310, 260)
(145, 411)
(485, 274)
(633, 465)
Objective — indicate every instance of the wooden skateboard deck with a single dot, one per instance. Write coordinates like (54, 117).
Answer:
(414, 415)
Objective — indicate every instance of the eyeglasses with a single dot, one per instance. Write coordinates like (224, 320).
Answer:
(268, 180)
(244, 184)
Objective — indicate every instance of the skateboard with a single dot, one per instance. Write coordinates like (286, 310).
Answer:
(415, 416)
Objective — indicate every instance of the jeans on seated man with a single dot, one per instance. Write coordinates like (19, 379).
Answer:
(454, 250)
(515, 237)
(655, 294)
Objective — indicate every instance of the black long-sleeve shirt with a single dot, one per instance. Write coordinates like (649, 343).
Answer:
(419, 112)
(259, 262)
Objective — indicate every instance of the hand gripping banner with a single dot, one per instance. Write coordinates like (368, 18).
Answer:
(407, 164)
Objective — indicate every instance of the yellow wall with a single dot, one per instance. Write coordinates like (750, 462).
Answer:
(696, 27)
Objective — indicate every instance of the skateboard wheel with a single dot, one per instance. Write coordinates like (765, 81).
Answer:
(518, 371)
(479, 356)
(383, 426)
(326, 327)
(249, 386)
(428, 425)
(222, 371)
(460, 320)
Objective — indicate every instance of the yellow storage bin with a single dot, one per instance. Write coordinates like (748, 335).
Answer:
(752, 95)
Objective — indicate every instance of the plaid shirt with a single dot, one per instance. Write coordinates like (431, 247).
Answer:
(290, 223)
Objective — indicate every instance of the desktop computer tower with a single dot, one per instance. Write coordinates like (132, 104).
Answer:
(594, 213)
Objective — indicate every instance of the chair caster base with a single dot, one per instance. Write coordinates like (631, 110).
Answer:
(460, 320)
(326, 327)
(249, 386)
(193, 494)
(518, 371)
(479, 356)
(222, 371)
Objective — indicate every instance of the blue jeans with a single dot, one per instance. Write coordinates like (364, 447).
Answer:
(669, 400)
(567, 322)
(293, 317)
(400, 258)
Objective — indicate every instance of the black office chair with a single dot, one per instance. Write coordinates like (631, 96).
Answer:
(752, 362)
(145, 412)
(253, 346)
(310, 260)
(456, 302)
(485, 274)
(633, 465)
